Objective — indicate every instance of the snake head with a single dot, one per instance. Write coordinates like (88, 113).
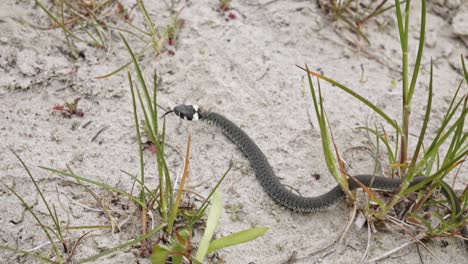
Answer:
(187, 112)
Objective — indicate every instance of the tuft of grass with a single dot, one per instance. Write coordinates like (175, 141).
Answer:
(180, 248)
(93, 23)
(152, 38)
(354, 14)
(428, 159)
(81, 21)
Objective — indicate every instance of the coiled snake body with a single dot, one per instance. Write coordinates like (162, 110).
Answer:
(277, 191)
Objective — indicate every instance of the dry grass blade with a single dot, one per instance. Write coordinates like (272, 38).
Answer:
(396, 249)
(350, 222)
(175, 207)
(369, 237)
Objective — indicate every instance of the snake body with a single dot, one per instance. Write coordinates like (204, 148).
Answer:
(276, 190)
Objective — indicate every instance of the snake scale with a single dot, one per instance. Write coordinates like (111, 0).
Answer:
(271, 183)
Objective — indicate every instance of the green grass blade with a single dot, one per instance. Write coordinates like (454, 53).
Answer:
(391, 155)
(160, 254)
(125, 245)
(353, 27)
(140, 145)
(425, 122)
(61, 25)
(465, 72)
(36, 186)
(163, 192)
(138, 55)
(211, 224)
(141, 80)
(142, 186)
(94, 41)
(433, 151)
(155, 105)
(237, 238)
(28, 253)
(204, 205)
(100, 184)
(154, 33)
(326, 145)
(420, 51)
(444, 170)
(357, 96)
(43, 227)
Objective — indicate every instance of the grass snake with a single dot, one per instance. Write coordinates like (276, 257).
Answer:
(271, 183)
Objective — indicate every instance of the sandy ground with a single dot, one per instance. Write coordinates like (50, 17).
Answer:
(243, 68)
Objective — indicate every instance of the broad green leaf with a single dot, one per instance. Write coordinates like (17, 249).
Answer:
(160, 254)
(211, 224)
(237, 238)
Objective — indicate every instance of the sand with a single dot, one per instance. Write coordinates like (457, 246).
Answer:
(244, 68)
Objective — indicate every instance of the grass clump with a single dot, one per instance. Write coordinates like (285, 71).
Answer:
(167, 235)
(354, 14)
(95, 22)
(433, 159)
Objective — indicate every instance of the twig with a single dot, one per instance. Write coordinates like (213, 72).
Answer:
(292, 259)
(81, 205)
(334, 241)
(99, 132)
(430, 252)
(78, 242)
(350, 222)
(419, 254)
(45, 244)
(402, 246)
(369, 235)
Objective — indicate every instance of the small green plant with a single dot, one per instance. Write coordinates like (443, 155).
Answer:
(70, 109)
(180, 247)
(428, 159)
(172, 30)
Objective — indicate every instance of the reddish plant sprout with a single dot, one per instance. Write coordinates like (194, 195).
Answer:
(151, 147)
(231, 15)
(58, 108)
(226, 10)
(69, 109)
(171, 34)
